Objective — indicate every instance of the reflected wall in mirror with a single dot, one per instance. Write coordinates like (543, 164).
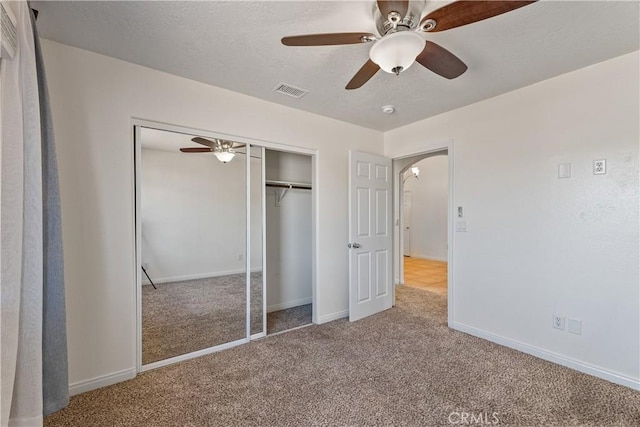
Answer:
(193, 244)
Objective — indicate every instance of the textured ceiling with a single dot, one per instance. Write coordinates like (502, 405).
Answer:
(236, 45)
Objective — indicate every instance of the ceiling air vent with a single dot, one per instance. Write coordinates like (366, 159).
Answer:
(289, 90)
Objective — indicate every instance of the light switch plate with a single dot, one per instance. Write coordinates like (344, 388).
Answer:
(564, 170)
(461, 225)
(575, 326)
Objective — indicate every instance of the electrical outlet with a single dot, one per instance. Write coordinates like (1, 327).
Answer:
(558, 322)
(145, 265)
(599, 167)
(240, 257)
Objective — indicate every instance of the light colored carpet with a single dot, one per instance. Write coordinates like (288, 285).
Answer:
(403, 367)
(282, 320)
(182, 317)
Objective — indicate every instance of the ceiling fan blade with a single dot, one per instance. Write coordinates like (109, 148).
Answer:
(388, 6)
(204, 141)
(196, 150)
(465, 12)
(328, 39)
(368, 70)
(441, 61)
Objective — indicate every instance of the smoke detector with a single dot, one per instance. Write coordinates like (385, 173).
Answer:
(388, 109)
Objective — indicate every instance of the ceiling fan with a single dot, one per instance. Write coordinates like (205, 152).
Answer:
(401, 44)
(224, 150)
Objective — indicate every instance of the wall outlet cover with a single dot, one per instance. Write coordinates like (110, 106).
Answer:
(599, 167)
(558, 322)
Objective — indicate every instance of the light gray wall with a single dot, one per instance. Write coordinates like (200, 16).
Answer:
(193, 216)
(537, 245)
(94, 99)
(429, 205)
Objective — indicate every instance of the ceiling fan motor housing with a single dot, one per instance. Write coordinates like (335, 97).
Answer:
(410, 21)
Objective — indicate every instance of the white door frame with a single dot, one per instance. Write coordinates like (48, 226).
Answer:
(136, 124)
(398, 187)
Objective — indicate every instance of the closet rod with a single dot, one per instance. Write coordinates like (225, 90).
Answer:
(288, 185)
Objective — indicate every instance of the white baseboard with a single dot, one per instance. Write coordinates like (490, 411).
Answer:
(333, 316)
(288, 304)
(196, 276)
(583, 367)
(26, 422)
(101, 381)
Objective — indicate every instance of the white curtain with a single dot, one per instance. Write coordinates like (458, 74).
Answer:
(21, 243)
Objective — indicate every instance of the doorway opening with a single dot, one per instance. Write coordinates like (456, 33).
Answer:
(423, 209)
(424, 219)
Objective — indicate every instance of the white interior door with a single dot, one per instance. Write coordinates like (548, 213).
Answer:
(370, 239)
(406, 222)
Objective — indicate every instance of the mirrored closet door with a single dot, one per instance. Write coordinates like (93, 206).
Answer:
(192, 249)
(256, 208)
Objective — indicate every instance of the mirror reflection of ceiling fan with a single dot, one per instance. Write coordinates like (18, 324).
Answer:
(401, 44)
(224, 150)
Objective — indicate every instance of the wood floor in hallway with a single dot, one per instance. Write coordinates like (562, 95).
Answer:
(426, 274)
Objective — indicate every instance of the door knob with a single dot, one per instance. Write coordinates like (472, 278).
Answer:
(356, 245)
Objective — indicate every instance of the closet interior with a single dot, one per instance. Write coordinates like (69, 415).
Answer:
(289, 240)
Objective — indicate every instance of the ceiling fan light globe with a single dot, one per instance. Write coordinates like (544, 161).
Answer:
(225, 156)
(397, 51)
